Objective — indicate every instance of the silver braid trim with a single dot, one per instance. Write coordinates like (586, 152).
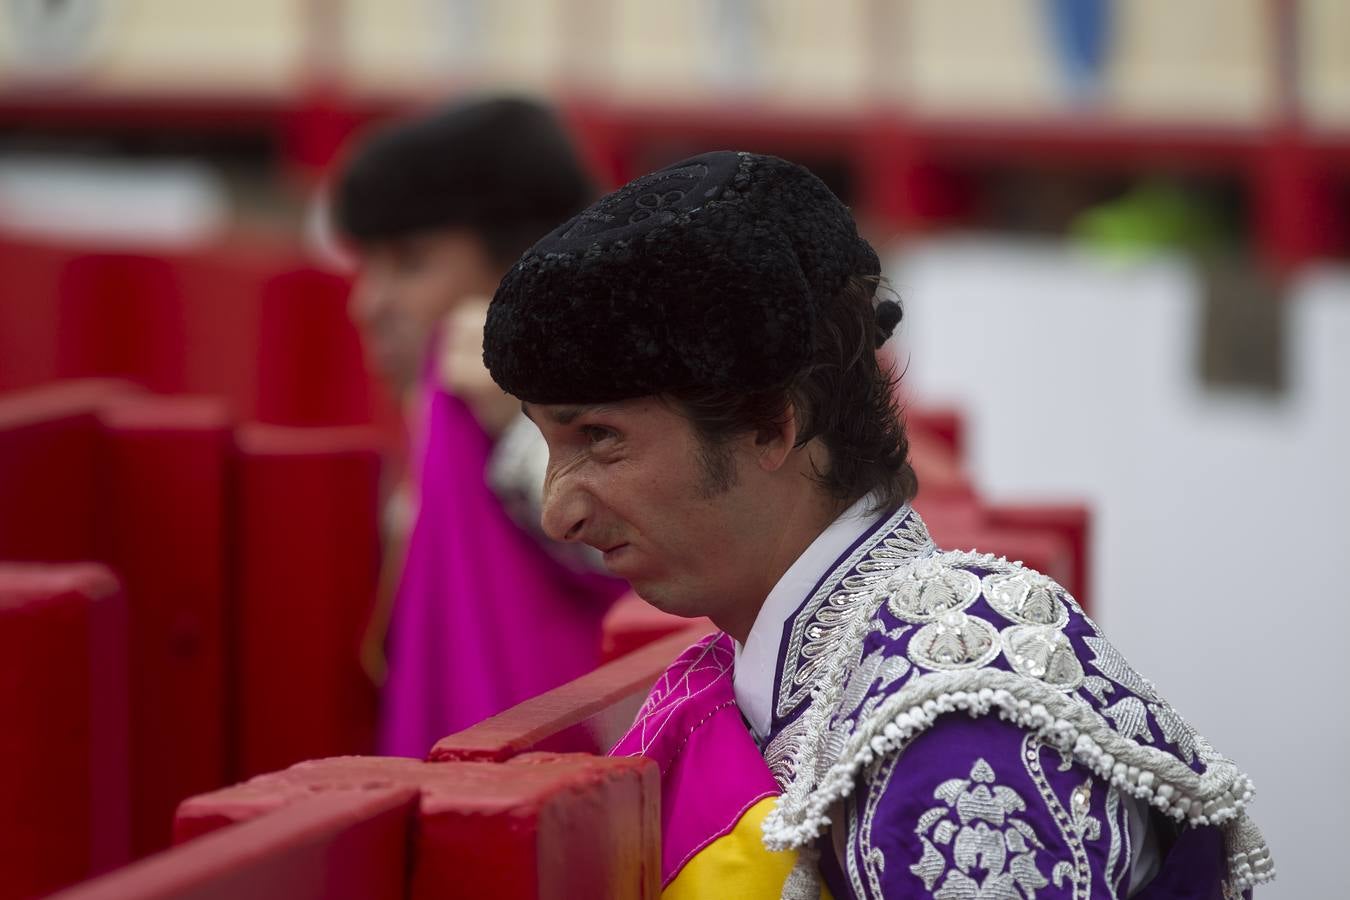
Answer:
(1217, 797)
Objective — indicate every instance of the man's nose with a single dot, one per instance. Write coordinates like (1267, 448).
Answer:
(566, 509)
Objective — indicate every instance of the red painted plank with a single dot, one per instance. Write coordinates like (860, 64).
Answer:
(63, 742)
(587, 715)
(538, 826)
(306, 548)
(340, 845)
(162, 527)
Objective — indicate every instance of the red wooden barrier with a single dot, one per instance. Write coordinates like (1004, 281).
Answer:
(310, 362)
(1072, 521)
(50, 442)
(632, 623)
(587, 715)
(161, 526)
(63, 762)
(538, 826)
(121, 315)
(343, 845)
(1045, 551)
(306, 563)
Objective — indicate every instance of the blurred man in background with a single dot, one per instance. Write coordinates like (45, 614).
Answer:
(482, 614)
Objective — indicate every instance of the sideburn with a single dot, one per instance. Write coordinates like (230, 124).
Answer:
(718, 462)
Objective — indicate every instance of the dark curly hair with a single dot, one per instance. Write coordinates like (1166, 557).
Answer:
(841, 396)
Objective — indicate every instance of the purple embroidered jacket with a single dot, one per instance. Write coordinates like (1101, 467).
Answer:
(951, 724)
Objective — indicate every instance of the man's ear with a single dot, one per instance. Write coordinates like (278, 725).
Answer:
(774, 444)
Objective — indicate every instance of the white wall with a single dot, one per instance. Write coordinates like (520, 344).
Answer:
(1222, 522)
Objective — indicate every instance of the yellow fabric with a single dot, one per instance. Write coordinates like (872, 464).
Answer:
(737, 865)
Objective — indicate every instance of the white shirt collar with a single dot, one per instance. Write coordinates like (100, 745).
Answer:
(757, 659)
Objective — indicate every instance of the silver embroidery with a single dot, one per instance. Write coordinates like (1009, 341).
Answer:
(878, 666)
(1109, 661)
(928, 590)
(1098, 687)
(781, 751)
(956, 641)
(1026, 597)
(1114, 815)
(1042, 652)
(1076, 824)
(835, 739)
(819, 630)
(993, 850)
(1130, 718)
(860, 845)
(1176, 730)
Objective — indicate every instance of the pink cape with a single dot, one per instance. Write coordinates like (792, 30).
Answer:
(711, 770)
(484, 617)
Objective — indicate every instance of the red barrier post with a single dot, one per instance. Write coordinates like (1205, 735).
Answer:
(161, 526)
(306, 562)
(63, 762)
(49, 445)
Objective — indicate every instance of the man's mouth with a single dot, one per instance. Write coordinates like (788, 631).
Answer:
(612, 553)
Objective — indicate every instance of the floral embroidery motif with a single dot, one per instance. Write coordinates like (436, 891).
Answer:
(1098, 687)
(928, 590)
(1043, 652)
(994, 850)
(878, 666)
(1131, 719)
(1109, 661)
(1176, 730)
(1026, 597)
(956, 641)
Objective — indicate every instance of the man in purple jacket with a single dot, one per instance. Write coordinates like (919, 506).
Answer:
(698, 350)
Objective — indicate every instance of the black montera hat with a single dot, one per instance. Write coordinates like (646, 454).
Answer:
(709, 273)
(482, 164)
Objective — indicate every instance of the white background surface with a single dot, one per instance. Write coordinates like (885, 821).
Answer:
(1221, 536)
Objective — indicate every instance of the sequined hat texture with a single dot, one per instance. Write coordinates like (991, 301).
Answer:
(708, 273)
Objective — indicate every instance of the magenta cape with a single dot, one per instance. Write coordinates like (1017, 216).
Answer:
(711, 769)
(484, 617)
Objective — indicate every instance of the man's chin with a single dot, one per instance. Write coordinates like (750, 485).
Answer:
(663, 599)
